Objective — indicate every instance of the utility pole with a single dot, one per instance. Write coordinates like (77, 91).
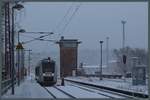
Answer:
(107, 52)
(1, 49)
(29, 59)
(19, 49)
(123, 31)
(12, 52)
(7, 42)
(18, 64)
(100, 77)
(123, 47)
(17, 7)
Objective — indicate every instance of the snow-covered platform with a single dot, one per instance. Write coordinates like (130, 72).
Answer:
(113, 83)
(28, 89)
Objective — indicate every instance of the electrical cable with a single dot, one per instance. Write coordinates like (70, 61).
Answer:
(64, 17)
(75, 11)
(58, 25)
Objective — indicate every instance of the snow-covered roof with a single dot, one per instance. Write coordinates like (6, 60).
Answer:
(93, 66)
(111, 69)
(112, 61)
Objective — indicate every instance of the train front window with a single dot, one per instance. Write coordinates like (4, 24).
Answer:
(47, 67)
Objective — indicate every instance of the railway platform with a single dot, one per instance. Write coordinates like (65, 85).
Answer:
(28, 89)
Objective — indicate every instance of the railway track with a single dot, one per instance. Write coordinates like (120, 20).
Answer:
(58, 93)
(110, 94)
(50, 93)
(98, 92)
(66, 93)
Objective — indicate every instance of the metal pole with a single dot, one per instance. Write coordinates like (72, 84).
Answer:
(18, 62)
(148, 51)
(1, 49)
(123, 47)
(29, 62)
(12, 52)
(107, 50)
(101, 60)
(18, 38)
(123, 31)
(18, 66)
(23, 62)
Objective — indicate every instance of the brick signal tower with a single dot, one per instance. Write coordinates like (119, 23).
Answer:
(68, 56)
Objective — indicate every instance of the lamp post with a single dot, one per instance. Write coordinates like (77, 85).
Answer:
(123, 47)
(101, 60)
(107, 50)
(20, 54)
(1, 45)
(18, 7)
(123, 31)
(19, 49)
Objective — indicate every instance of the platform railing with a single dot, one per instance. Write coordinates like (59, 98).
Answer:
(6, 84)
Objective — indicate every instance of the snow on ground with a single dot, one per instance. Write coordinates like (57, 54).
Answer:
(96, 91)
(80, 93)
(114, 83)
(57, 93)
(28, 89)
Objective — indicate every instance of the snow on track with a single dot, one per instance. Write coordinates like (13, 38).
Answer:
(80, 93)
(98, 91)
(112, 83)
(56, 92)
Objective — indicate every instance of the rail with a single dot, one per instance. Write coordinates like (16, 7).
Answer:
(113, 89)
(65, 92)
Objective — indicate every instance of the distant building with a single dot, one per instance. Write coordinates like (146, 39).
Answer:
(108, 72)
(68, 56)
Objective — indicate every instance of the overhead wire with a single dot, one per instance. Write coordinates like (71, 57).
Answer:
(37, 38)
(72, 16)
(64, 17)
(58, 25)
(27, 36)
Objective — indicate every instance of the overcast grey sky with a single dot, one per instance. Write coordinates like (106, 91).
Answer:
(91, 23)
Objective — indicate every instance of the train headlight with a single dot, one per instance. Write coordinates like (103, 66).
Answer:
(44, 74)
(48, 74)
(52, 74)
